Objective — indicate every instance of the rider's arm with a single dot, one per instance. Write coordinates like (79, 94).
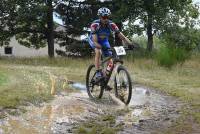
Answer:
(125, 39)
(95, 39)
(115, 28)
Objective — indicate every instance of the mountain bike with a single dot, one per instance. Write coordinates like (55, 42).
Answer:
(121, 79)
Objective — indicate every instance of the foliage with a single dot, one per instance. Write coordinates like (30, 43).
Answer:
(76, 49)
(156, 16)
(141, 40)
(153, 16)
(164, 13)
(26, 20)
(72, 13)
(187, 38)
(32, 23)
(168, 56)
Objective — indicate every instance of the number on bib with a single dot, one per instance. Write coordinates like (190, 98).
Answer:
(120, 50)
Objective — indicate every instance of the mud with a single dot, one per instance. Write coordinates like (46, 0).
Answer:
(148, 111)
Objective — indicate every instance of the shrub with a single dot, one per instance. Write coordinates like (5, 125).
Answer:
(168, 56)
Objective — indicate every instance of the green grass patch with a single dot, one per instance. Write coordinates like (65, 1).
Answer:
(102, 125)
(28, 80)
(22, 87)
(3, 78)
(45, 61)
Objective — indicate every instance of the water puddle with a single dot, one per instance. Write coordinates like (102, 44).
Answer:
(149, 110)
(46, 119)
(66, 111)
(79, 86)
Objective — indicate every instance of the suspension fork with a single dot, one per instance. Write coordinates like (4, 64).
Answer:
(117, 63)
(107, 78)
(113, 71)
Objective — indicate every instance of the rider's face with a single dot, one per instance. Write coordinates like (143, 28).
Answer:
(104, 19)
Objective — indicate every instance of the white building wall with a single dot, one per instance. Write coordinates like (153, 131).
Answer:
(22, 51)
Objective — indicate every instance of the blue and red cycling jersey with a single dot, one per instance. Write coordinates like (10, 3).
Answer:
(103, 33)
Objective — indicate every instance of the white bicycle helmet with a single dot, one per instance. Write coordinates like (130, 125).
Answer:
(104, 12)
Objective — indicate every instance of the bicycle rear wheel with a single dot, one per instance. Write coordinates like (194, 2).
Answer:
(94, 90)
(123, 85)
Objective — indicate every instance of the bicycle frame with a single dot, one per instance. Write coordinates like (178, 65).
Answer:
(115, 59)
(111, 79)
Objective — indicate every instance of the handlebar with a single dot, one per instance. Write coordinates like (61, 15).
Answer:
(114, 54)
(127, 48)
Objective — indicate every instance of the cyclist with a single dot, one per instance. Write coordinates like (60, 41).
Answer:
(100, 31)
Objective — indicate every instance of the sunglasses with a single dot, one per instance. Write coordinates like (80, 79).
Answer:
(104, 17)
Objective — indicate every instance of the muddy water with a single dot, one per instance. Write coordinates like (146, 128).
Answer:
(147, 111)
(67, 109)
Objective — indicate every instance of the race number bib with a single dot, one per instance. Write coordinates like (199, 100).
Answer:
(120, 50)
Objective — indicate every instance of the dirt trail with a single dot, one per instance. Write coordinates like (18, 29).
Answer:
(147, 112)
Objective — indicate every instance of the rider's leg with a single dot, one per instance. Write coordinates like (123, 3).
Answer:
(97, 58)
(97, 55)
(106, 52)
(99, 73)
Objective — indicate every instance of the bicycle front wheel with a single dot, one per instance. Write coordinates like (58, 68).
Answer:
(94, 90)
(123, 85)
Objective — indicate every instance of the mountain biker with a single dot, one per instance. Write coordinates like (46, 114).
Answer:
(100, 31)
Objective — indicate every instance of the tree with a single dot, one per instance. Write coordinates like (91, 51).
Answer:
(5, 10)
(77, 17)
(157, 15)
(31, 21)
(73, 12)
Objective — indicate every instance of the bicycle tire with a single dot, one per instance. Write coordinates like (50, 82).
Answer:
(88, 82)
(122, 68)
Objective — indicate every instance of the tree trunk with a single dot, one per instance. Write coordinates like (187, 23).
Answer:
(50, 28)
(149, 33)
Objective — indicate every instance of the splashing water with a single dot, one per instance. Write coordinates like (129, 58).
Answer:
(78, 86)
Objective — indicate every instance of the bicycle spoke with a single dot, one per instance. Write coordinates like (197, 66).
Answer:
(122, 86)
(93, 88)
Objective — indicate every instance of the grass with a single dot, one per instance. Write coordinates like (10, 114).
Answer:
(3, 78)
(102, 125)
(21, 86)
(181, 81)
(27, 80)
(20, 78)
(45, 61)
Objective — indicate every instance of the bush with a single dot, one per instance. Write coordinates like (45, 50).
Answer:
(141, 40)
(185, 38)
(168, 56)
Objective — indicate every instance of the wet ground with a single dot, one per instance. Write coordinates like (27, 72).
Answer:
(148, 112)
